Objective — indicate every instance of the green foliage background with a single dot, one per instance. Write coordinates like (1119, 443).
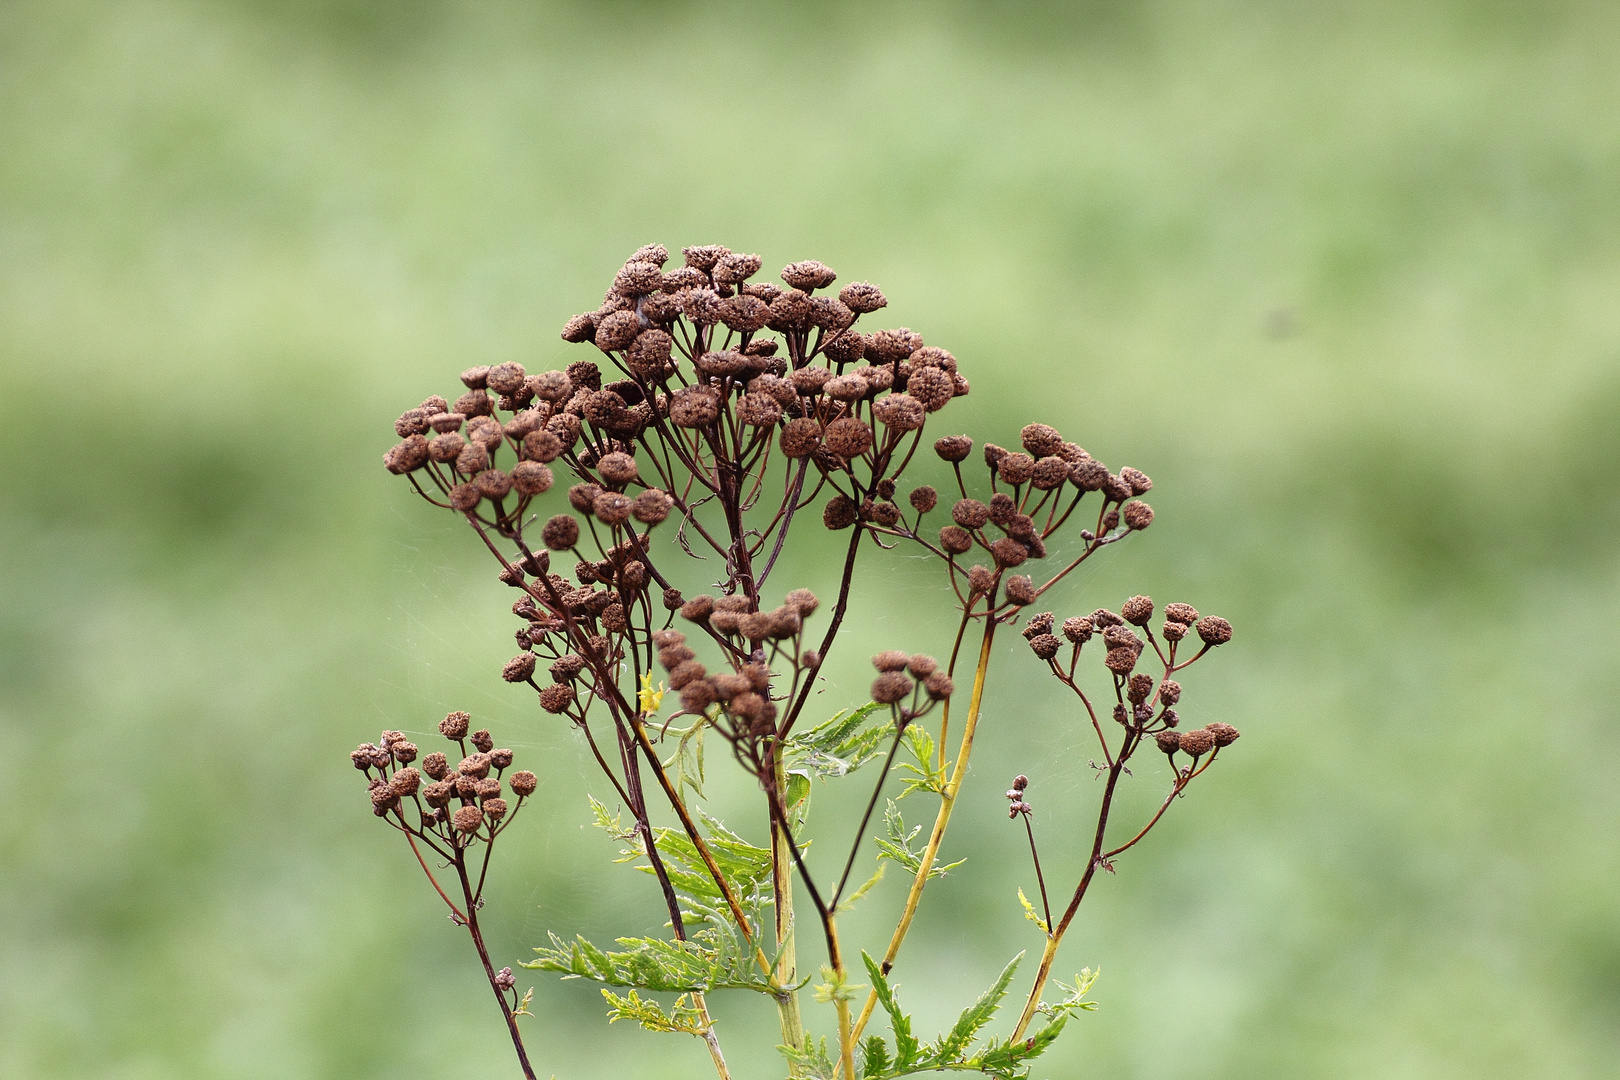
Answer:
(1343, 278)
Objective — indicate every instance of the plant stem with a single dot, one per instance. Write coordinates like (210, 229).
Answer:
(710, 1039)
(846, 1037)
(489, 969)
(947, 801)
(787, 975)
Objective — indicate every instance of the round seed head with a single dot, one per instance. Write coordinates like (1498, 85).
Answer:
(464, 497)
(1121, 660)
(938, 686)
(500, 758)
(1196, 744)
(1169, 692)
(487, 788)
(1021, 590)
(1214, 630)
(472, 460)
(474, 403)
(1088, 475)
(803, 601)
(1050, 473)
(650, 352)
(845, 347)
(411, 422)
(504, 378)
(892, 346)
(407, 456)
(790, 311)
(954, 447)
(955, 539)
(652, 507)
(519, 668)
(455, 725)
(1225, 734)
(495, 809)
(921, 666)
(970, 514)
(1138, 514)
(1182, 613)
(932, 387)
(524, 783)
(1139, 688)
(1174, 631)
(758, 410)
(698, 609)
(434, 404)
(638, 278)
(1077, 629)
(861, 297)
(882, 511)
(1041, 440)
(891, 660)
(617, 330)
(438, 794)
(474, 766)
(1137, 610)
(899, 412)
(1137, 479)
(1009, 552)
(1040, 623)
(612, 508)
(531, 477)
(493, 483)
(981, 579)
(924, 499)
(556, 697)
(581, 327)
(468, 819)
(617, 468)
(808, 275)
(1169, 741)
(1044, 646)
(1016, 467)
(891, 687)
(560, 533)
(694, 407)
(839, 513)
(436, 765)
(566, 668)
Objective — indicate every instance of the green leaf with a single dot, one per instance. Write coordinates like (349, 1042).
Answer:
(975, 1016)
(905, 1043)
(1031, 914)
(687, 760)
(681, 1018)
(925, 774)
(811, 1058)
(710, 960)
(843, 744)
(897, 847)
(864, 889)
(874, 1056)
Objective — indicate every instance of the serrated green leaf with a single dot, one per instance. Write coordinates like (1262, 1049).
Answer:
(874, 1057)
(842, 744)
(1031, 914)
(866, 887)
(897, 846)
(709, 960)
(681, 1018)
(906, 1045)
(811, 1058)
(975, 1016)
(925, 775)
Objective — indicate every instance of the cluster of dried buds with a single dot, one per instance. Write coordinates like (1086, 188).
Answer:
(457, 806)
(910, 685)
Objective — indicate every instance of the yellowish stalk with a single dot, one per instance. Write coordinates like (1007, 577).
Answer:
(1048, 955)
(786, 974)
(947, 802)
(846, 1037)
(710, 1039)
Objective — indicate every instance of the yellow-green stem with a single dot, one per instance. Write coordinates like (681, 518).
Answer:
(710, 1039)
(1048, 955)
(786, 974)
(947, 802)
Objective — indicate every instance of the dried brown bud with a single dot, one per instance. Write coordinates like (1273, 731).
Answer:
(523, 783)
(556, 697)
(1139, 688)
(475, 766)
(455, 725)
(1077, 629)
(567, 667)
(472, 459)
(1174, 631)
(1009, 552)
(698, 609)
(560, 533)
(468, 819)
(808, 275)
(492, 483)
(407, 456)
(1169, 741)
(500, 758)
(981, 579)
(488, 788)
(617, 330)
(405, 782)
(954, 447)
(1181, 613)
(891, 660)
(1214, 630)
(1169, 692)
(495, 809)
(899, 412)
(531, 478)
(1196, 744)
(938, 686)
(932, 387)
(883, 512)
(694, 407)
(1041, 440)
(1137, 610)
(411, 422)
(638, 278)
(1021, 590)
(1137, 479)
(891, 687)
(1040, 623)
(1045, 646)
(970, 514)
(840, 512)
(438, 794)
(1225, 734)
(955, 539)
(802, 600)
(1138, 514)
(1016, 467)
(581, 327)
(1120, 661)
(436, 765)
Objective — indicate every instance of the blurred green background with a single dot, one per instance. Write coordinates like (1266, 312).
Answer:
(1343, 278)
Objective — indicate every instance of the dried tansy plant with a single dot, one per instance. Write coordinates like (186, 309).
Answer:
(717, 416)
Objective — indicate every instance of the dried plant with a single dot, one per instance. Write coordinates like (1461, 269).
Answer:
(733, 410)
